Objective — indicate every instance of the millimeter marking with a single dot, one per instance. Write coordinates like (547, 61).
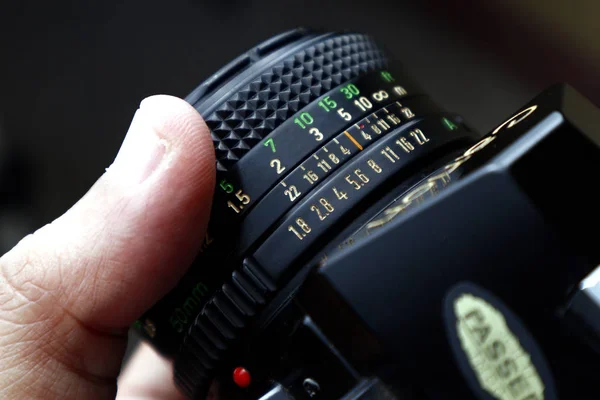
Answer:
(353, 140)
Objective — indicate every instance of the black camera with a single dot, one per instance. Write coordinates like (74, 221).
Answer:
(364, 243)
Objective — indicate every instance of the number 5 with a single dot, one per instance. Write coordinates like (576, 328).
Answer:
(344, 114)
(354, 184)
(244, 198)
(227, 187)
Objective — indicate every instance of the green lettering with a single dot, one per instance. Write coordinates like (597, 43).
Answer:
(449, 124)
(190, 305)
(269, 143)
(200, 291)
(176, 324)
(183, 317)
(387, 76)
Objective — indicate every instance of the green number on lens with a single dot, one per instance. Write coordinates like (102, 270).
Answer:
(327, 104)
(304, 119)
(387, 76)
(226, 186)
(269, 143)
(349, 90)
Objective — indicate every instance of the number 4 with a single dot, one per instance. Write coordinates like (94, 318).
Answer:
(340, 195)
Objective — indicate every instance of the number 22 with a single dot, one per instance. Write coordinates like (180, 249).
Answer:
(292, 192)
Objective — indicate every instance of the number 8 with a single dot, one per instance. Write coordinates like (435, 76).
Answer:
(378, 96)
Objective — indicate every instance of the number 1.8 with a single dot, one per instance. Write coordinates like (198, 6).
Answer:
(302, 225)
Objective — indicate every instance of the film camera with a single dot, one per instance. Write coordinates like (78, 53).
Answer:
(366, 244)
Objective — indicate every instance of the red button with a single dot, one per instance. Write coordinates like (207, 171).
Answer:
(241, 377)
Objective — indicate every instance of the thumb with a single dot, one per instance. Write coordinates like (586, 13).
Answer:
(69, 291)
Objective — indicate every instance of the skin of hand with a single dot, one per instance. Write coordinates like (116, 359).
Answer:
(69, 291)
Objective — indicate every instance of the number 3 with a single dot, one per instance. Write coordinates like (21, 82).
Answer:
(317, 133)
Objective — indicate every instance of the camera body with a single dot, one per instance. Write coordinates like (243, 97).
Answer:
(373, 246)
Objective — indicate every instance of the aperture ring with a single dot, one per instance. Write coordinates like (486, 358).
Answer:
(219, 329)
(270, 99)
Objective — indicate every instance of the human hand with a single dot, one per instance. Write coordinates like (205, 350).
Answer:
(69, 292)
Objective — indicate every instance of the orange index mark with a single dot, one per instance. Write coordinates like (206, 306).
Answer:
(353, 140)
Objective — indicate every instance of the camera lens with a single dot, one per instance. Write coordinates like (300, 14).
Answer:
(313, 133)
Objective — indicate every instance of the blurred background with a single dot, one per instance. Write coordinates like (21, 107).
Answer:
(73, 73)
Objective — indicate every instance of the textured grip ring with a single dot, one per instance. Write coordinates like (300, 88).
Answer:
(218, 328)
(266, 102)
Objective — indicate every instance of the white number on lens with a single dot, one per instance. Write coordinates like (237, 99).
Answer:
(292, 192)
(275, 163)
(363, 103)
(317, 133)
(344, 114)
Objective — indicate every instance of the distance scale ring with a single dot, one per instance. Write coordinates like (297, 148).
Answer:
(240, 188)
(220, 326)
(325, 161)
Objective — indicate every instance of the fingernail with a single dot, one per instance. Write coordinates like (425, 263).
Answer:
(142, 152)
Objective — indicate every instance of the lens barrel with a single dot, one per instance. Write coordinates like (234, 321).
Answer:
(310, 130)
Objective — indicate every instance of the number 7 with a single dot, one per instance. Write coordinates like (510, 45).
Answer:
(269, 142)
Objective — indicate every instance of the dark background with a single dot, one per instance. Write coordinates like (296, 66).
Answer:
(73, 73)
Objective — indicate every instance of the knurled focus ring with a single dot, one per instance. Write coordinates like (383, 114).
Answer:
(218, 328)
(258, 108)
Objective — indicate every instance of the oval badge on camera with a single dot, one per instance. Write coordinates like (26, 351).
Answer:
(496, 354)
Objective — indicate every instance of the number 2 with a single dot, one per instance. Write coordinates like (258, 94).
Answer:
(275, 163)
(316, 209)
